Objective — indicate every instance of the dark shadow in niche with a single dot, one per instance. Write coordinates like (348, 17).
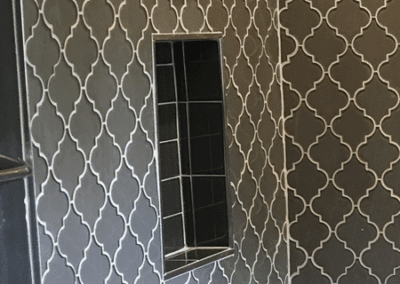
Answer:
(192, 154)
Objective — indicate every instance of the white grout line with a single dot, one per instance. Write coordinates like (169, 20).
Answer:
(169, 178)
(167, 141)
(173, 215)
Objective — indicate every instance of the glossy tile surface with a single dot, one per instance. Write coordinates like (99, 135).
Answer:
(180, 71)
(169, 163)
(340, 69)
(165, 84)
(171, 197)
(200, 150)
(167, 122)
(341, 137)
(163, 53)
(202, 71)
(89, 78)
(173, 234)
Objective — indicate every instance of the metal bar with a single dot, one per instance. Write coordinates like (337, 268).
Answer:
(15, 169)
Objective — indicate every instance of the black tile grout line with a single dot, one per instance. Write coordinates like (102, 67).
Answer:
(179, 144)
(165, 103)
(211, 170)
(165, 64)
(189, 144)
(206, 135)
(208, 206)
(214, 240)
(172, 215)
(204, 173)
(169, 178)
(168, 141)
(200, 61)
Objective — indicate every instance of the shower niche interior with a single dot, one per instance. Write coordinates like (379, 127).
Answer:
(192, 153)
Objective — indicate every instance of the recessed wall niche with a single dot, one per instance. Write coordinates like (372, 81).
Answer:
(190, 110)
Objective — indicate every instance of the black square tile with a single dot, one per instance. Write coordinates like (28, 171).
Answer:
(165, 84)
(221, 242)
(219, 190)
(221, 221)
(188, 208)
(167, 122)
(205, 119)
(187, 193)
(204, 81)
(169, 165)
(171, 197)
(185, 158)
(183, 125)
(208, 191)
(204, 50)
(217, 154)
(173, 234)
(180, 71)
(204, 225)
(189, 229)
(163, 52)
(198, 119)
(202, 192)
(200, 154)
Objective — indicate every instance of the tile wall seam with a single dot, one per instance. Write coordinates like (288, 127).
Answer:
(28, 119)
(27, 199)
(284, 169)
(156, 147)
(156, 157)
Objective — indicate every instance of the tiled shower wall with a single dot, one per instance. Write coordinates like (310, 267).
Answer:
(90, 81)
(341, 92)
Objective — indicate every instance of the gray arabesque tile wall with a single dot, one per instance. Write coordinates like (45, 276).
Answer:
(341, 88)
(90, 81)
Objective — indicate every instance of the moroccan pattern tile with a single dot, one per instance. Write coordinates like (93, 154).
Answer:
(91, 107)
(340, 61)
